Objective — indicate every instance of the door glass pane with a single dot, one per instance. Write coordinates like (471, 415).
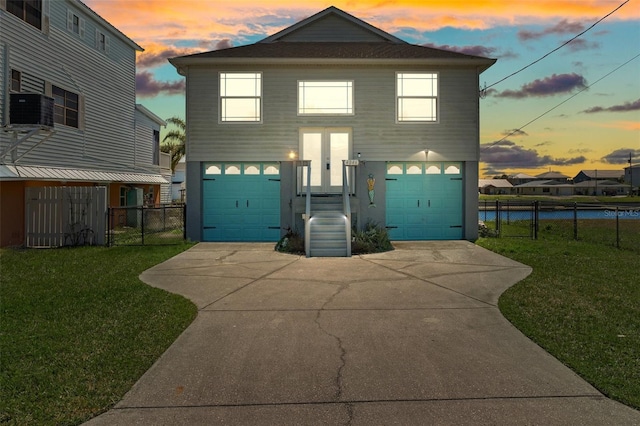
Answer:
(414, 168)
(312, 150)
(339, 143)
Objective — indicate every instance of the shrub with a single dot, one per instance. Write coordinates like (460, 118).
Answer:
(292, 242)
(371, 239)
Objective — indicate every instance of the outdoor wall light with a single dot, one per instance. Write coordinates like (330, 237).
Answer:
(293, 155)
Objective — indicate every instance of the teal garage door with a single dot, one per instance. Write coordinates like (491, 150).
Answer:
(424, 201)
(241, 202)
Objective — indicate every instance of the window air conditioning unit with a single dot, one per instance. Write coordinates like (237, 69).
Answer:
(31, 109)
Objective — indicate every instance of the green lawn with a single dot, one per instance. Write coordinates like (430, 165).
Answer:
(78, 328)
(582, 304)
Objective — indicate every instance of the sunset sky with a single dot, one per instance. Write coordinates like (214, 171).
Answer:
(589, 89)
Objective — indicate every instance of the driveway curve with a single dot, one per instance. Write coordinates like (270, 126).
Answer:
(412, 336)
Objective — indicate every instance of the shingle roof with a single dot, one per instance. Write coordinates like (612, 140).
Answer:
(603, 174)
(338, 50)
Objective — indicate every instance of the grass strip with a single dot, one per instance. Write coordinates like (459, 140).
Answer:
(582, 305)
(78, 328)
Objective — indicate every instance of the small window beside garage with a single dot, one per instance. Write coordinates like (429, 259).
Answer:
(213, 169)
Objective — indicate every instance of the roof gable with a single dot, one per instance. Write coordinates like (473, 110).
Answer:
(332, 25)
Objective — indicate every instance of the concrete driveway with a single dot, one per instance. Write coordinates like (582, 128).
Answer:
(412, 336)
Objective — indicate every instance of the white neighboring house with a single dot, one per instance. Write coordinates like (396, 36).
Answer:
(93, 134)
(178, 182)
(337, 97)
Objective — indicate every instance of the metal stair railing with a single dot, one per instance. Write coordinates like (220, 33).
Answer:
(346, 206)
(307, 216)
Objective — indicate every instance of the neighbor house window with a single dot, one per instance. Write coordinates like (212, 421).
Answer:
(16, 80)
(123, 196)
(156, 147)
(29, 11)
(75, 24)
(417, 96)
(102, 41)
(325, 97)
(65, 107)
(241, 96)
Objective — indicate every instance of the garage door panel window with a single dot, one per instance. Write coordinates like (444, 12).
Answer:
(452, 168)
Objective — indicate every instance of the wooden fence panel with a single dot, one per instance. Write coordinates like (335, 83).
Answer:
(63, 216)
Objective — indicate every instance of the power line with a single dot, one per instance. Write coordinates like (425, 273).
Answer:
(562, 103)
(557, 48)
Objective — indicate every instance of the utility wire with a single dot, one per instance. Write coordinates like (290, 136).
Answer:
(557, 48)
(561, 103)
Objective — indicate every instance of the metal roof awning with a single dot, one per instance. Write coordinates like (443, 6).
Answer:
(18, 172)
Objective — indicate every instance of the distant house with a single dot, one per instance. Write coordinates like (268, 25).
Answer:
(495, 186)
(68, 111)
(520, 178)
(585, 175)
(600, 187)
(178, 190)
(632, 176)
(330, 123)
(556, 176)
(544, 187)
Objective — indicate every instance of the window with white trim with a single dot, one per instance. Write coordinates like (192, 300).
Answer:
(417, 96)
(75, 24)
(325, 97)
(66, 107)
(16, 80)
(29, 11)
(103, 41)
(240, 96)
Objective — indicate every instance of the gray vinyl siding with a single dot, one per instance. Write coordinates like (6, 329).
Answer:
(332, 28)
(105, 84)
(144, 146)
(376, 134)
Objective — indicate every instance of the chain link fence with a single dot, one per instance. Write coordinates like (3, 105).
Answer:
(146, 225)
(608, 224)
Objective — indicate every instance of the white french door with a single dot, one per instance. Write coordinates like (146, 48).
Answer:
(325, 148)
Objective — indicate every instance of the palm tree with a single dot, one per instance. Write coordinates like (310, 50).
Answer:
(174, 141)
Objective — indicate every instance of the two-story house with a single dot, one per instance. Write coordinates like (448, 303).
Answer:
(330, 123)
(68, 110)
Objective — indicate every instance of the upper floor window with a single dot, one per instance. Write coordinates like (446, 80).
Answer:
(75, 24)
(325, 97)
(16, 81)
(417, 96)
(29, 11)
(102, 41)
(241, 96)
(66, 107)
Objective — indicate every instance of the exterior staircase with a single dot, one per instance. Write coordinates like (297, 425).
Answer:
(327, 230)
